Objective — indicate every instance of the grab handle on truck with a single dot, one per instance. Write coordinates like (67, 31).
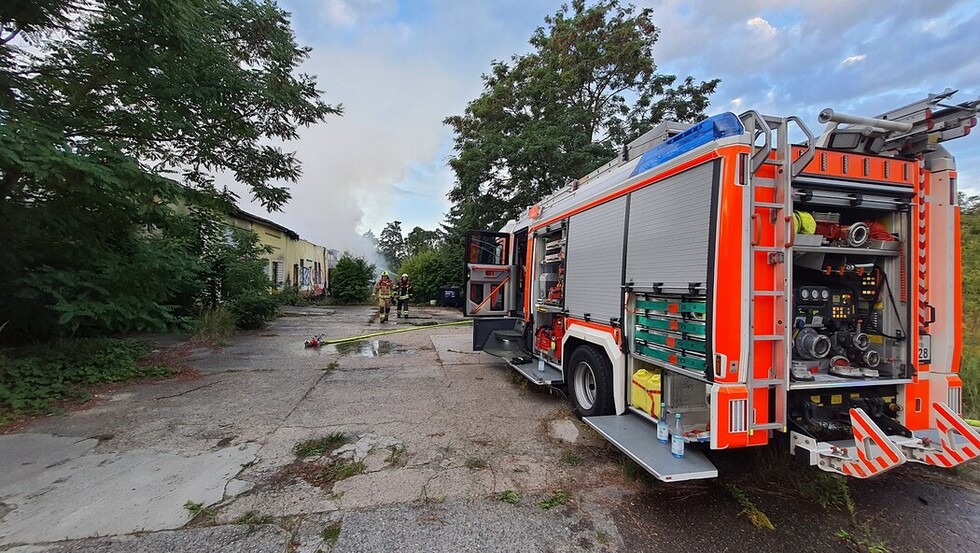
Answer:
(752, 119)
(806, 155)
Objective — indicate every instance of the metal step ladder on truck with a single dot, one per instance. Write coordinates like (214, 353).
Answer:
(741, 287)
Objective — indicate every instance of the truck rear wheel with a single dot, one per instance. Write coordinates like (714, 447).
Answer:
(590, 386)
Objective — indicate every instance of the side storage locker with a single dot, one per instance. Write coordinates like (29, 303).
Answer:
(594, 267)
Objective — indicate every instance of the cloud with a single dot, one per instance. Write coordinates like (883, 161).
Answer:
(800, 57)
(348, 13)
(762, 28)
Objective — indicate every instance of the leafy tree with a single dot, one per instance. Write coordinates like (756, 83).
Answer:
(420, 240)
(351, 279)
(550, 116)
(391, 243)
(102, 105)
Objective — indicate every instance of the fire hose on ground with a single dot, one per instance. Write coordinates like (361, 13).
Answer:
(319, 341)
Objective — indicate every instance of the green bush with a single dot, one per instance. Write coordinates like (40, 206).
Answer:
(32, 379)
(970, 373)
(254, 308)
(350, 281)
(970, 254)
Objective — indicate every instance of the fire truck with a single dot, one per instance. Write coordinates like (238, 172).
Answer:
(749, 282)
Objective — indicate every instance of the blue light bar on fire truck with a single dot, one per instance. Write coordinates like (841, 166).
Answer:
(712, 128)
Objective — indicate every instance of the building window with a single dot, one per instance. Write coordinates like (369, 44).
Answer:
(278, 273)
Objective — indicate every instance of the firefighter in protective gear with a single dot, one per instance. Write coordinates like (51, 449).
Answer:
(403, 289)
(384, 289)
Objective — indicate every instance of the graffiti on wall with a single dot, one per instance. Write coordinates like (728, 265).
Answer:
(318, 280)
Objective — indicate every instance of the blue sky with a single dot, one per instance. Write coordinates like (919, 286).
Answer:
(400, 67)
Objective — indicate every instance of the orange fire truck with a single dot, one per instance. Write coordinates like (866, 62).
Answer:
(746, 287)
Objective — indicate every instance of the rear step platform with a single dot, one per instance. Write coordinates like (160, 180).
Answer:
(869, 454)
(637, 438)
(549, 377)
(951, 443)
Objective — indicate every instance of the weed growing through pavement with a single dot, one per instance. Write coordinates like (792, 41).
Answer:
(331, 533)
(474, 463)
(571, 458)
(864, 539)
(325, 476)
(397, 456)
(754, 514)
(252, 518)
(510, 496)
(828, 491)
(560, 497)
(331, 367)
(198, 509)
(319, 446)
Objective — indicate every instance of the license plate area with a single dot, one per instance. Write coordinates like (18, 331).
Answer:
(925, 349)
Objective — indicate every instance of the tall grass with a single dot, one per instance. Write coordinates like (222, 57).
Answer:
(215, 325)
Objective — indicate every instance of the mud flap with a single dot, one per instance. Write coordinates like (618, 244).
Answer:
(869, 454)
(957, 441)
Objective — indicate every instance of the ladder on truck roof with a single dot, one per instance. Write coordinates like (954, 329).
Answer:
(778, 254)
(907, 131)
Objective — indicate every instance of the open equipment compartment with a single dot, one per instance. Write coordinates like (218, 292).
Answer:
(850, 296)
(851, 309)
(549, 291)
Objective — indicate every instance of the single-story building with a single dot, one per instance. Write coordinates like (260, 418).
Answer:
(292, 261)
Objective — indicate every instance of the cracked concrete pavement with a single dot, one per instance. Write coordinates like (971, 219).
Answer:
(438, 433)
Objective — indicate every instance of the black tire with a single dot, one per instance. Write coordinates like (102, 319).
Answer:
(590, 386)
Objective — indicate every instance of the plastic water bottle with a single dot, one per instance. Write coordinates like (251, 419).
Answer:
(540, 364)
(677, 439)
(663, 431)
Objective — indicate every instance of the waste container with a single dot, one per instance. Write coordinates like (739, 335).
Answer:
(451, 296)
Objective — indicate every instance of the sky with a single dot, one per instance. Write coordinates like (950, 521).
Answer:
(400, 67)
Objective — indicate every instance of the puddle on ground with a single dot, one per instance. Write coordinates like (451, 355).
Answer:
(366, 348)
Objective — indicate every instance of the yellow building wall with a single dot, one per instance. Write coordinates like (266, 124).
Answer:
(295, 263)
(308, 265)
